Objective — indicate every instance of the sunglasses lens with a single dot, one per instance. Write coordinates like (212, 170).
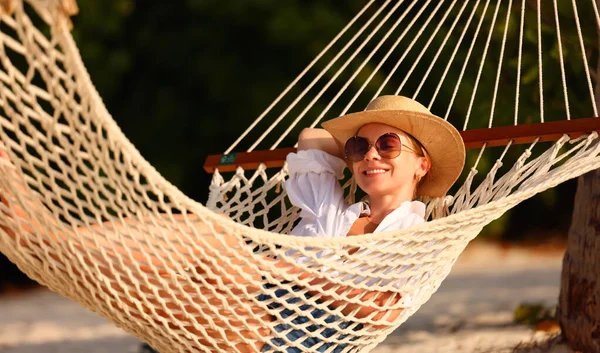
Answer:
(389, 146)
(356, 148)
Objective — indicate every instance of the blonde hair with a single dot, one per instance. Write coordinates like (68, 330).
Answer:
(420, 151)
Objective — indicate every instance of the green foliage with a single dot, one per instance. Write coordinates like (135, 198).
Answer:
(184, 79)
(532, 313)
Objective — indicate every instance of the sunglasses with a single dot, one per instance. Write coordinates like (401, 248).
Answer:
(388, 146)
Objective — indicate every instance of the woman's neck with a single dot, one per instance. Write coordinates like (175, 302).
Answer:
(383, 205)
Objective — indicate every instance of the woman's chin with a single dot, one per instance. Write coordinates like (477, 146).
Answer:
(372, 189)
(379, 189)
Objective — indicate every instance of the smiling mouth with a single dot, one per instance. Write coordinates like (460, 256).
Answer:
(374, 171)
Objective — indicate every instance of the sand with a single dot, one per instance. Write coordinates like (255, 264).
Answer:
(471, 312)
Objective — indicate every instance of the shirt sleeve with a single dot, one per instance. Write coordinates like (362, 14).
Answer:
(313, 186)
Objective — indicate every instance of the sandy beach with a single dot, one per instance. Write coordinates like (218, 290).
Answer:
(471, 312)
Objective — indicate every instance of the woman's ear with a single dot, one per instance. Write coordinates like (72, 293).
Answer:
(423, 166)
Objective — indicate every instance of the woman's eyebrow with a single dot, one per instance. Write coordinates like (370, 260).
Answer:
(378, 136)
(368, 139)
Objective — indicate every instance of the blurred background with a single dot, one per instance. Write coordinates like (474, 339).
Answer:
(184, 78)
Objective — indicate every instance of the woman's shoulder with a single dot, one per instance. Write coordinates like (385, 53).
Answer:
(416, 207)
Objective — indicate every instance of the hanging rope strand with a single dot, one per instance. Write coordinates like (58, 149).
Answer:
(301, 75)
(540, 59)
(312, 102)
(481, 62)
(437, 54)
(423, 51)
(519, 63)
(453, 55)
(347, 83)
(584, 58)
(597, 17)
(399, 39)
(406, 52)
(356, 72)
(466, 61)
(500, 62)
(562, 61)
(346, 64)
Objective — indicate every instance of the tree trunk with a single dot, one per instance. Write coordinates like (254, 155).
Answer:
(579, 299)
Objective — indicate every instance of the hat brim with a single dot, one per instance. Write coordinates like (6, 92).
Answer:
(441, 140)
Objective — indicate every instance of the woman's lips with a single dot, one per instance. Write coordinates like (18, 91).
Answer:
(374, 171)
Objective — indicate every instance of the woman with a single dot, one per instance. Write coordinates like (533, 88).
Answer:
(396, 151)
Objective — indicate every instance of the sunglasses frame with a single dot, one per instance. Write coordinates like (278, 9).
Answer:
(376, 148)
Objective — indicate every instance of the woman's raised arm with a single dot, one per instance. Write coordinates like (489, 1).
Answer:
(319, 139)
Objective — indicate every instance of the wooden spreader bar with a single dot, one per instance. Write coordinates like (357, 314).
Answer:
(247, 160)
(497, 136)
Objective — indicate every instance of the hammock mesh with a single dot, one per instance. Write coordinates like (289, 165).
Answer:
(87, 216)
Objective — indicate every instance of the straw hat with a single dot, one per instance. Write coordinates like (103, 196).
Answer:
(441, 140)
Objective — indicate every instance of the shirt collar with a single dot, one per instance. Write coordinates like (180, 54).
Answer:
(406, 208)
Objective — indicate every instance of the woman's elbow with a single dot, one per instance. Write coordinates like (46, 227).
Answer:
(319, 139)
(307, 138)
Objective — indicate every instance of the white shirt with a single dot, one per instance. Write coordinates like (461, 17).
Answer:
(313, 187)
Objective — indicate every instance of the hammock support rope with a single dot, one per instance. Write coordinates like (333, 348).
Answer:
(86, 215)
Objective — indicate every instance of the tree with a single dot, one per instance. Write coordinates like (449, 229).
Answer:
(579, 299)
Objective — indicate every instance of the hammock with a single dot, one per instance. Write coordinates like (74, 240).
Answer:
(88, 217)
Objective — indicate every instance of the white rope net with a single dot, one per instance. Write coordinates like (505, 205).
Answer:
(87, 216)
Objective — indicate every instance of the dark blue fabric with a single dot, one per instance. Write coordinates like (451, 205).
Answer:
(299, 336)
(306, 323)
(145, 348)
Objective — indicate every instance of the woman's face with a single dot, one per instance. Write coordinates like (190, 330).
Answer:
(378, 176)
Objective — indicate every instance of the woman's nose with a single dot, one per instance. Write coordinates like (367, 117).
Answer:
(372, 154)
